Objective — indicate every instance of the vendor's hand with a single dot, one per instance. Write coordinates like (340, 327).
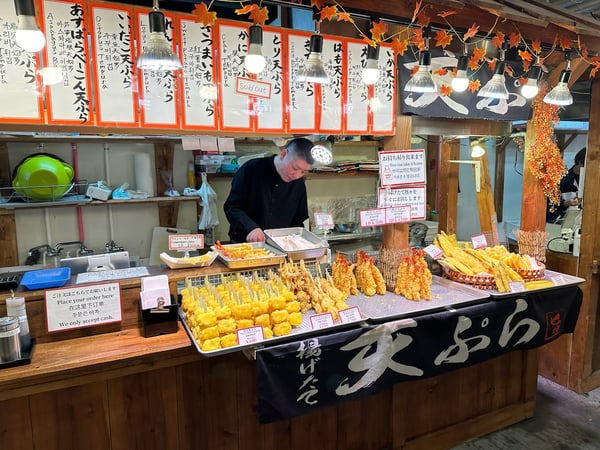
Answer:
(256, 235)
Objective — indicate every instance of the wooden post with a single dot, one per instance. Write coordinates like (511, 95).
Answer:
(488, 221)
(432, 160)
(533, 208)
(448, 193)
(396, 235)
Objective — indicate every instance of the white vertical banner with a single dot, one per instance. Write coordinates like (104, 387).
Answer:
(20, 94)
(157, 89)
(383, 102)
(199, 89)
(115, 85)
(332, 94)
(301, 97)
(270, 112)
(357, 92)
(234, 106)
(69, 93)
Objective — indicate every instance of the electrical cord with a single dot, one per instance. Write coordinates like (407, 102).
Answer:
(552, 240)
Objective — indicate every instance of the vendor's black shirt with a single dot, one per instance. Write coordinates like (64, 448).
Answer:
(260, 198)
(569, 183)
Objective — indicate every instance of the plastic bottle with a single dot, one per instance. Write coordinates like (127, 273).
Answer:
(191, 173)
(15, 307)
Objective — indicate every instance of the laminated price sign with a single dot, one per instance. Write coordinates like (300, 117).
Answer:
(324, 221)
(398, 214)
(185, 242)
(404, 196)
(372, 217)
(401, 168)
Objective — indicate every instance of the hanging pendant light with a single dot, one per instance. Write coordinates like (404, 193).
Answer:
(158, 53)
(422, 80)
(477, 149)
(313, 70)
(530, 89)
(561, 95)
(460, 82)
(28, 35)
(370, 72)
(496, 87)
(255, 61)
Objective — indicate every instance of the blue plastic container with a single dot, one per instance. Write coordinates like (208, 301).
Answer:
(46, 278)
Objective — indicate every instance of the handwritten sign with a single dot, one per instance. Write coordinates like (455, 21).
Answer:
(270, 112)
(357, 92)
(302, 97)
(252, 335)
(199, 89)
(404, 167)
(84, 306)
(186, 241)
(20, 99)
(479, 241)
(398, 214)
(410, 195)
(433, 251)
(253, 88)
(320, 321)
(350, 315)
(372, 217)
(113, 73)
(332, 94)
(516, 286)
(69, 99)
(383, 101)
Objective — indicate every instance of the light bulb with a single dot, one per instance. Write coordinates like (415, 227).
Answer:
(530, 89)
(313, 70)
(255, 61)
(28, 36)
(477, 150)
(560, 95)
(370, 72)
(460, 82)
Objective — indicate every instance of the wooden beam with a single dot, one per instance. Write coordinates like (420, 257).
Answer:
(507, 13)
(533, 206)
(395, 236)
(499, 178)
(579, 66)
(423, 126)
(448, 194)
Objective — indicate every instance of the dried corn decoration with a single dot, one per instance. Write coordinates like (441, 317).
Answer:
(413, 280)
(368, 277)
(215, 312)
(342, 273)
(316, 292)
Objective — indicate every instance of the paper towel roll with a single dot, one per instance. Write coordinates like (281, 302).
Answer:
(144, 174)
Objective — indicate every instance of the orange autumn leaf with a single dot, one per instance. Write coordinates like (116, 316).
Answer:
(246, 9)
(297, 1)
(584, 52)
(204, 16)
(525, 55)
(414, 70)
(443, 39)
(594, 70)
(498, 40)
(509, 70)
(564, 42)
(536, 46)
(370, 42)
(523, 81)
(318, 4)
(399, 46)
(416, 11)
(445, 90)
(447, 13)
(526, 65)
(478, 53)
(492, 64)
(514, 39)
(471, 32)
(474, 86)
(454, 72)
(378, 30)
(344, 17)
(417, 38)
(423, 19)
(328, 12)
(441, 72)
(259, 15)
(473, 63)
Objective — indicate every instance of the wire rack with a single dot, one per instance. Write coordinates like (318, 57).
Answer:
(55, 193)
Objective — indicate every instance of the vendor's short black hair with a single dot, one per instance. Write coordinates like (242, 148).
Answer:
(301, 148)
(580, 157)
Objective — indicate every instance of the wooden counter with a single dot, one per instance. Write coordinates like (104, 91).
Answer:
(117, 390)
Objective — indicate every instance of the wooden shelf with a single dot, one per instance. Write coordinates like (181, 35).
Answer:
(313, 175)
(159, 200)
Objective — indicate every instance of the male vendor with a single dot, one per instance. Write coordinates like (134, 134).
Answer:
(269, 193)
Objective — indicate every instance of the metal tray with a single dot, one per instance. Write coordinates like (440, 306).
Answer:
(562, 279)
(277, 257)
(308, 253)
(444, 293)
(299, 332)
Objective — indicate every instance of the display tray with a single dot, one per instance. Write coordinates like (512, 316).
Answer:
(301, 331)
(444, 293)
(178, 263)
(276, 257)
(277, 238)
(46, 278)
(559, 279)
